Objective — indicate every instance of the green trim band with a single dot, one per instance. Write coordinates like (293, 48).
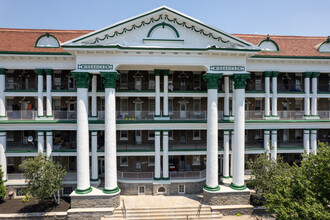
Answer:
(84, 191)
(111, 191)
(236, 187)
(167, 178)
(2, 71)
(226, 177)
(95, 180)
(157, 178)
(209, 188)
(165, 115)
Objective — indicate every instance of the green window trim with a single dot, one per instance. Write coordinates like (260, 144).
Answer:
(48, 36)
(272, 41)
(163, 24)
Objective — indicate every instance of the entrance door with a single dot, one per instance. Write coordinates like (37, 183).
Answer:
(285, 135)
(285, 110)
(182, 163)
(138, 82)
(183, 107)
(182, 137)
(138, 138)
(183, 82)
(101, 166)
(138, 108)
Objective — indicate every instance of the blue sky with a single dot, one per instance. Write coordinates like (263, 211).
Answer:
(278, 17)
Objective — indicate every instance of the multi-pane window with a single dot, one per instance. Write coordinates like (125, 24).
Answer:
(258, 105)
(197, 82)
(151, 105)
(123, 105)
(196, 160)
(151, 135)
(170, 106)
(197, 105)
(298, 105)
(123, 135)
(123, 81)
(141, 190)
(151, 161)
(181, 189)
(124, 161)
(197, 135)
(258, 83)
(151, 81)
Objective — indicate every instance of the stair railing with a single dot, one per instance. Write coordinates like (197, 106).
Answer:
(124, 209)
(199, 208)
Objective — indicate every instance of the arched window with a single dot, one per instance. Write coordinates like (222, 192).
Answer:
(48, 41)
(268, 45)
(325, 46)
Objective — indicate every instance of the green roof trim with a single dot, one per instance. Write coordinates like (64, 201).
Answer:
(34, 53)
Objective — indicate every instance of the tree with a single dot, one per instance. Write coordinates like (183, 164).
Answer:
(3, 191)
(297, 192)
(44, 177)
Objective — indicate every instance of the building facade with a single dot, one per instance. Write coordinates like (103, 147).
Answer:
(159, 103)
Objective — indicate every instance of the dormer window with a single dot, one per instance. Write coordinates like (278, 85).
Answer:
(325, 46)
(268, 45)
(47, 41)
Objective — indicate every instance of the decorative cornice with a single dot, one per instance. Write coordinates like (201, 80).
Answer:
(308, 74)
(212, 80)
(158, 72)
(40, 72)
(315, 74)
(240, 80)
(2, 71)
(82, 79)
(109, 79)
(275, 73)
(49, 71)
(268, 73)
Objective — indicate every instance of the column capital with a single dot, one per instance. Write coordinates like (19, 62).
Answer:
(40, 72)
(109, 79)
(308, 74)
(275, 73)
(82, 79)
(240, 80)
(315, 74)
(212, 80)
(49, 71)
(268, 73)
(161, 71)
(2, 71)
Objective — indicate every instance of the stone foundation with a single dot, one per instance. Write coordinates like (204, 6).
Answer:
(233, 209)
(89, 213)
(95, 199)
(226, 197)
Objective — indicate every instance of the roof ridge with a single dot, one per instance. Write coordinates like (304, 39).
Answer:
(41, 30)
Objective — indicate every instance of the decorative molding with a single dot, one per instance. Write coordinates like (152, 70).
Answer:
(48, 71)
(272, 41)
(307, 74)
(109, 79)
(315, 74)
(163, 24)
(40, 72)
(95, 67)
(2, 71)
(227, 68)
(82, 79)
(212, 80)
(267, 73)
(48, 36)
(240, 80)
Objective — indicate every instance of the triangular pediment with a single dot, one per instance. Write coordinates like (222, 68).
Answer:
(161, 27)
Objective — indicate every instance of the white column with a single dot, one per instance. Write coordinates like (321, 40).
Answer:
(314, 141)
(165, 97)
(306, 141)
(94, 157)
(157, 155)
(49, 143)
(212, 182)
(274, 98)
(110, 151)
(2, 94)
(3, 159)
(307, 91)
(41, 141)
(157, 93)
(165, 155)
(83, 177)
(267, 90)
(226, 99)
(231, 155)
(239, 130)
(40, 92)
(274, 145)
(94, 98)
(49, 111)
(226, 154)
(267, 141)
(233, 101)
(314, 95)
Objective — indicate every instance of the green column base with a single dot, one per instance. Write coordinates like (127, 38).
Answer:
(111, 191)
(156, 178)
(226, 177)
(95, 180)
(234, 186)
(84, 191)
(167, 178)
(209, 188)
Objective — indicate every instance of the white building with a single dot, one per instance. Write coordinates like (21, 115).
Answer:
(159, 103)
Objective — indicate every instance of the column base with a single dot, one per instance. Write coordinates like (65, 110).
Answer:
(43, 118)
(165, 178)
(226, 177)
(84, 191)
(311, 117)
(111, 191)
(3, 118)
(274, 117)
(95, 182)
(236, 187)
(157, 178)
(210, 188)
(92, 118)
(268, 117)
(226, 196)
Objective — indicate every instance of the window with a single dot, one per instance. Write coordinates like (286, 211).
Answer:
(124, 161)
(196, 160)
(151, 135)
(258, 105)
(138, 164)
(151, 161)
(123, 81)
(10, 161)
(57, 80)
(151, 106)
(141, 190)
(123, 105)
(298, 105)
(123, 135)
(57, 104)
(102, 104)
(47, 40)
(170, 135)
(170, 106)
(197, 135)
(151, 81)
(298, 84)
(181, 189)
(197, 105)
(71, 83)
(197, 82)
(258, 83)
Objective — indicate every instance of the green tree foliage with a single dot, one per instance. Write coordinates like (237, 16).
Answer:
(44, 177)
(3, 191)
(296, 192)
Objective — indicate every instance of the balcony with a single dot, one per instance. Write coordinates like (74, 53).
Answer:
(22, 86)
(65, 115)
(21, 115)
(174, 175)
(293, 143)
(191, 145)
(22, 146)
(289, 87)
(290, 115)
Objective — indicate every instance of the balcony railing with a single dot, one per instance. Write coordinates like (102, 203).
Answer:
(178, 175)
(188, 115)
(290, 143)
(186, 175)
(69, 177)
(290, 87)
(290, 114)
(324, 114)
(254, 115)
(22, 86)
(65, 115)
(194, 145)
(22, 115)
(254, 144)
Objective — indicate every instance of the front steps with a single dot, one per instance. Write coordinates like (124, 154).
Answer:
(202, 212)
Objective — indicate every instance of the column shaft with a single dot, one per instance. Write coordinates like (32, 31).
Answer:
(41, 141)
(2, 94)
(231, 155)
(314, 96)
(233, 102)
(157, 94)
(165, 155)
(314, 141)
(94, 176)
(267, 141)
(3, 159)
(49, 111)
(49, 143)
(40, 93)
(274, 98)
(267, 90)
(157, 155)
(226, 154)
(306, 141)
(307, 91)
(94, 98)
(165, 97)
(226, 99)
(274, 145)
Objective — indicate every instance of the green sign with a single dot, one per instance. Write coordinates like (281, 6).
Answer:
(95, 66)
(228, 68)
